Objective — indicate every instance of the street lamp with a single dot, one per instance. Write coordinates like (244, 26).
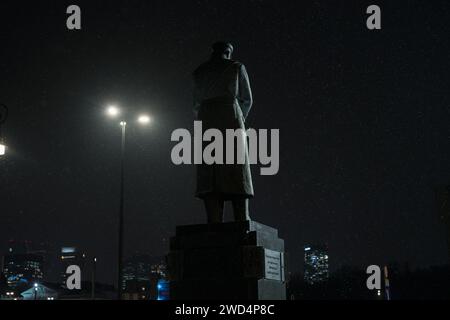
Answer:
(35, 290)
(94, 270)
(144, 119)
(114, 112)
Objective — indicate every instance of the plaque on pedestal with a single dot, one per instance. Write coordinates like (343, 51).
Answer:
(236, 260)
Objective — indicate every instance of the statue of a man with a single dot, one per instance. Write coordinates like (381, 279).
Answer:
(222, 100)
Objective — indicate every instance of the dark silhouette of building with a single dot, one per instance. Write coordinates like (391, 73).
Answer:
(141, 274)
(443, 199)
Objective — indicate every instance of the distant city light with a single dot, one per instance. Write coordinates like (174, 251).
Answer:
(2, 149)
(307, 248)
(163, 290)
(68, 249)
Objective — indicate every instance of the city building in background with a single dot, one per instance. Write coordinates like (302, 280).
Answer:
(23, 269)
(49, 255)
(316, 264)
(141, 274)
(22, 265)
(163, 290)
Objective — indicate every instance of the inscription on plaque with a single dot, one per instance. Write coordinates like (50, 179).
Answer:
(273, 263)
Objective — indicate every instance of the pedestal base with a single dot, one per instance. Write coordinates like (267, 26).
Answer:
(237, 260)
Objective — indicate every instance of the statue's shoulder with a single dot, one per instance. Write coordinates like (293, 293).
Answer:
(236, 63)
(216, 65)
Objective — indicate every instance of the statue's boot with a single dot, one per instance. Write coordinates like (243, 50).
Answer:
(214, 208)
(240, 209)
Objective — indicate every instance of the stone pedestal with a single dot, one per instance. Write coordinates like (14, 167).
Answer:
(237, 260)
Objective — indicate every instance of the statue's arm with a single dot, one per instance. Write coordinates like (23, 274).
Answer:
(245, 92)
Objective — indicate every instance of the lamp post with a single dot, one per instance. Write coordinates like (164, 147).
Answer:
(94, 270)
(114, 112)
(123, 124)
(3, 116)
(35, 290)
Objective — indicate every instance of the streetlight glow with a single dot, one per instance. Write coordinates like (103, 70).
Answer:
(113, 111)
(144, 119)
(2, 149)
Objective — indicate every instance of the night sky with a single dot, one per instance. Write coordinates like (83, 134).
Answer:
(363, 118)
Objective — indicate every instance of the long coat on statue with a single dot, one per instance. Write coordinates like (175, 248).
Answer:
(222, 100)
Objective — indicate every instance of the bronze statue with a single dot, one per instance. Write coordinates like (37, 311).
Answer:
(222, 100)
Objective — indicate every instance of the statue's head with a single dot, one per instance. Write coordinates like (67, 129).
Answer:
(222, 49)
